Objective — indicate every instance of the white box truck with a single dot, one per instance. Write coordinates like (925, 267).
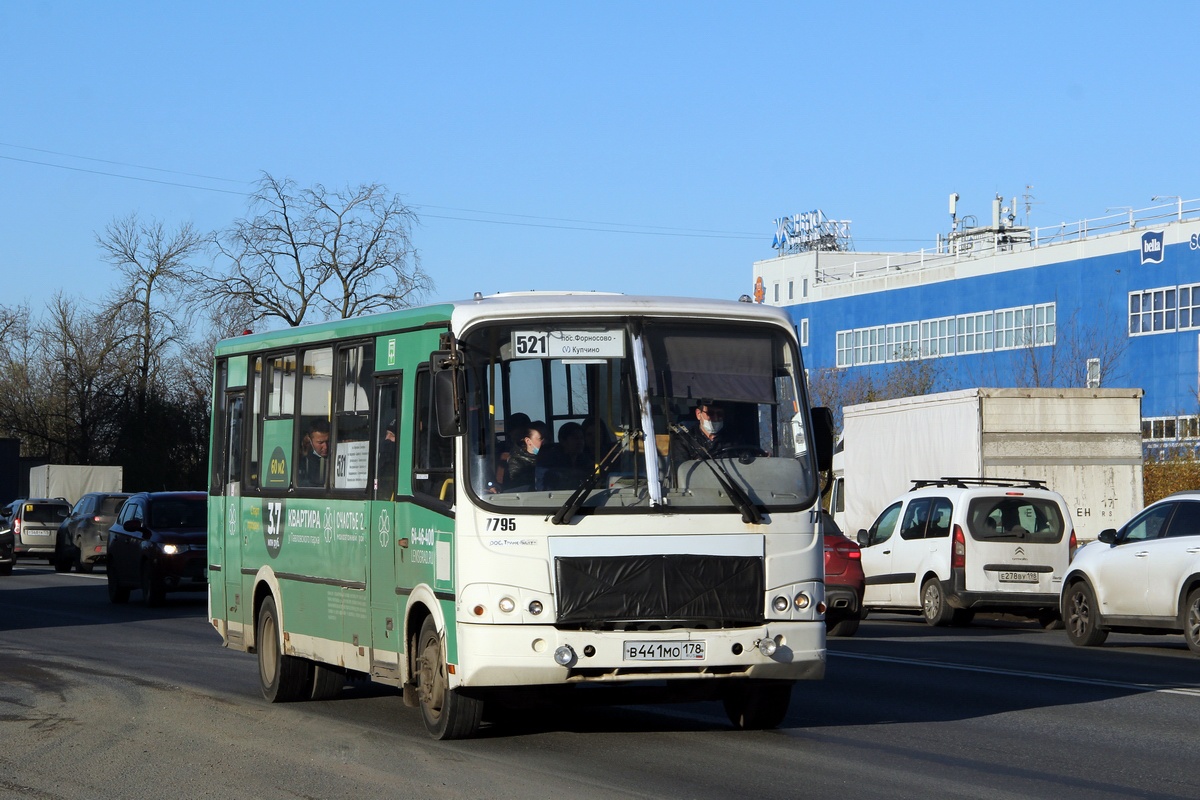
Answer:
(72, 481)
(1085, 444)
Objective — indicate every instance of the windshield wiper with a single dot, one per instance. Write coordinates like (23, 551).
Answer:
(567, 511)
(750, 512)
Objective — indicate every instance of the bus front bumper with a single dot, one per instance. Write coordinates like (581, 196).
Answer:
(515, 655)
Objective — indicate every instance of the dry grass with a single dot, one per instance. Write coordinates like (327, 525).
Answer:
(1173, 474)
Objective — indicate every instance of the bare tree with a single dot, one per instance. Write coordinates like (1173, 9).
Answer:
(27, 404)
(313, 252)
(153, 263)
(839, 387)
(89, 359)
(68, 375)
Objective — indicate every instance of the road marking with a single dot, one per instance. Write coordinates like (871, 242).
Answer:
(1188, 691)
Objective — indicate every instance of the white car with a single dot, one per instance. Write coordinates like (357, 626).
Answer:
(954, 546)
(1142, 578)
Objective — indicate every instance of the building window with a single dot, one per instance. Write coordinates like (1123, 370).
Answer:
(1153, 310)
(975, 333)
(845, 351)
(790, 293)
(904, 341)
(804, 287)
(1189, 306)
(804, 333)
(1014, 328)
(872, 345)
(986, 331)
(937, 337)
(1169, 429)
(1043, 324)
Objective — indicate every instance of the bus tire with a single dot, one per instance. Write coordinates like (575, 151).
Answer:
(327, 682)
(283, 678)
(755, 705)
(447, 714)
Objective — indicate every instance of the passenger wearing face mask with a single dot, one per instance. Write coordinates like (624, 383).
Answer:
(522, 461)
(708, 432)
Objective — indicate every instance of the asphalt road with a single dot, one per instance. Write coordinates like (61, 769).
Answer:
(102, 701)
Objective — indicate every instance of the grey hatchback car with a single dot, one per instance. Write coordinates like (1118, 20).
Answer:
(83, 536)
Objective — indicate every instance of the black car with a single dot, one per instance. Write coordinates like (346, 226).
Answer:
(158, 544)
(6, 537)
(83, 536)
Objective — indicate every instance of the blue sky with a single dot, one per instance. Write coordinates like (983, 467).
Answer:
(630, 147)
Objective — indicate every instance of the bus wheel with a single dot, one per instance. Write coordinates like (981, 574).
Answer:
(754, 705)
(447, 713)
(328, 682)
(283, 678)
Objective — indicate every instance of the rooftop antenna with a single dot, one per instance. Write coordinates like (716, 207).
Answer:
(1030, 202)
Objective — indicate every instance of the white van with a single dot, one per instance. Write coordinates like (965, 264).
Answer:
(954, 546)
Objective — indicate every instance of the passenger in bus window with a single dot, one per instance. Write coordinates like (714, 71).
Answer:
(314, 466)
(564, 465)
(708, 431)
(387, 457)
(596, 439)
(512, 426)
(522, 461)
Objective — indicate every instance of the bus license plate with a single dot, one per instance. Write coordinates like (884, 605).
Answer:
(664, 651)
(1018, 577)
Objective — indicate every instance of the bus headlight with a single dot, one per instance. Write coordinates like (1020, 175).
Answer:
(507, 605)
(780, 604)
(535, 607)
(767, 646)
(802, 601)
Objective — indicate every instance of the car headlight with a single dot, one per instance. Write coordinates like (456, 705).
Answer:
(174, 549)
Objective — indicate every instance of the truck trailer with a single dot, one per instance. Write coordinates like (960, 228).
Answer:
(72, 481)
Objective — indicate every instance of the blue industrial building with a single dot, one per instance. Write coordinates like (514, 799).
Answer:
(1109, 302)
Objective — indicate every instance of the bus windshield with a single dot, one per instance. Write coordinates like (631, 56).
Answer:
(636, 414)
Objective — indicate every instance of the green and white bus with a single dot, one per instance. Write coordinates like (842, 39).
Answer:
(404, 556)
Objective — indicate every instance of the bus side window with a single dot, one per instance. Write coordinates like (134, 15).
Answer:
(387, 436)
(313, 429)
(433, 454)
(351, 450)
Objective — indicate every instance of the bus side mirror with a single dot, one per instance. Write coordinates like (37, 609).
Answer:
(448, 392)
(822, 419)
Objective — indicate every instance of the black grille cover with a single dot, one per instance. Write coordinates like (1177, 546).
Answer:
(720, 590)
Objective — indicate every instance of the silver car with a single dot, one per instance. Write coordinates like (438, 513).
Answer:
(35, 526)
(83, 536)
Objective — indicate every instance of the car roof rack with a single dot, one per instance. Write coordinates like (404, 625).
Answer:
(966, 483)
